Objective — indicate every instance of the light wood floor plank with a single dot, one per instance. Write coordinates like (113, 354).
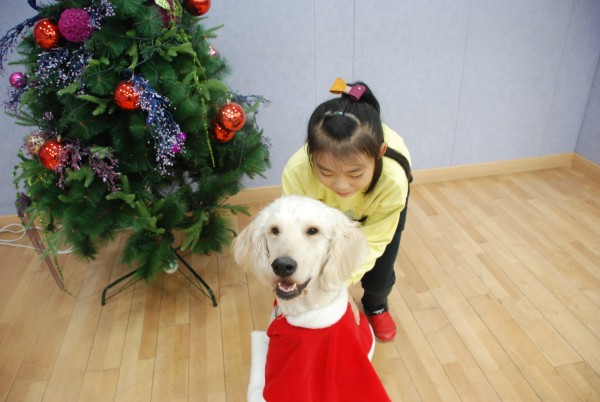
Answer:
(135, 374)
(485, 349)
(68, 373)
(409, 283)
(497, 298)
(582, 379)
(22, 333)
(17, 283)
(170, 377)
(39, 360)
(99, 386)
(459, 365)
(207, 374)
(425, 369)
(534, 367)
(236, 326)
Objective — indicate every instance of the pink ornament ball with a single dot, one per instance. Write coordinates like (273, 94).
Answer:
(181, 139)
(18, 80)
(74, 25)
(212, 51)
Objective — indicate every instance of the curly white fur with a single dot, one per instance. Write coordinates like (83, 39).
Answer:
(326, 246)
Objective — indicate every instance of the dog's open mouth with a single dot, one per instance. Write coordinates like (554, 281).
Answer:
(288, 290)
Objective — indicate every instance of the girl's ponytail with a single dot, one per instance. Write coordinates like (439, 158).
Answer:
(402, 160)
(367, 96)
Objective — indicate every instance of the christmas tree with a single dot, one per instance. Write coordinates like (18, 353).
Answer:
(132, 128)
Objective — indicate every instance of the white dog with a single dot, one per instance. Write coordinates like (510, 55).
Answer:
(316, 348)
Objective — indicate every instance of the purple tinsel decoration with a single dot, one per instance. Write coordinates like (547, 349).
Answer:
(99, 13)
(61, 66)
(13, 99)
(8, 41)
(163, 127)
(103, 165)
(168, 16)
(100, 161)
(22, 203)
(249, 100)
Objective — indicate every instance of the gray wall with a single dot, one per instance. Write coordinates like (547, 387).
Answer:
(11, 135)
(463, 81)
(588, 144)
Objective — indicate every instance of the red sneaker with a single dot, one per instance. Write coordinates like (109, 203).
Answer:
(383, 326)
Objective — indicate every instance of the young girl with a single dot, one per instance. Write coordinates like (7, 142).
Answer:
(354, 162)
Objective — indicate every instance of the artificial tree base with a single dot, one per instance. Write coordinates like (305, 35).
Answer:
(199, 282)
(34, 237)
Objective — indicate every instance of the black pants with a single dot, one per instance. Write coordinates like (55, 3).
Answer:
(379, 281)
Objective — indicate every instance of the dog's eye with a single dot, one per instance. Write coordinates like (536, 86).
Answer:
(312, 231)
(275, 230)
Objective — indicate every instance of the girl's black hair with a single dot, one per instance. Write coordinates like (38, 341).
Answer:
(345, 128)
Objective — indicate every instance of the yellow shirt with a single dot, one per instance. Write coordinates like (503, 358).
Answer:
(381, 207)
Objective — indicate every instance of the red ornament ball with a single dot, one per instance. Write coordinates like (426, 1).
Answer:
(125, 96)
(219, 133)
(18, 80)
(35, 141)
(231, 116)
(46, 34)
(50, 153)
(197, 7)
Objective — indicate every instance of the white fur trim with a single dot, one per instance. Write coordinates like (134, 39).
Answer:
(325, 316)
(260, 344)
(372, 343)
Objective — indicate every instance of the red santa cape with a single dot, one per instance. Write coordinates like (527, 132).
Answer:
(321, 355)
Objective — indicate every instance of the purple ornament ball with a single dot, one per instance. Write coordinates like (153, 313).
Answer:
(74, 24)
(18, 80)
(177, 146)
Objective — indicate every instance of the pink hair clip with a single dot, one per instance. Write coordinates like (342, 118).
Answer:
(339, 87)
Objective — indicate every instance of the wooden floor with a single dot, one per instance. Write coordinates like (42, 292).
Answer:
(497, 298)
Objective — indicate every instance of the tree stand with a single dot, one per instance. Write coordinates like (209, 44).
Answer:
(132, 279)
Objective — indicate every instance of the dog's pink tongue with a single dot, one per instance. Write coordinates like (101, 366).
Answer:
(287, 287)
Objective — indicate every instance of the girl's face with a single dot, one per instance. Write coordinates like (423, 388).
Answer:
(344, 177)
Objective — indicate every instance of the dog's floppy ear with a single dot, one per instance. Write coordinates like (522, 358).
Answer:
(347, 252)
(250, 247)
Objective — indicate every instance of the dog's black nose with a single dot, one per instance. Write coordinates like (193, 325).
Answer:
(284, 266)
